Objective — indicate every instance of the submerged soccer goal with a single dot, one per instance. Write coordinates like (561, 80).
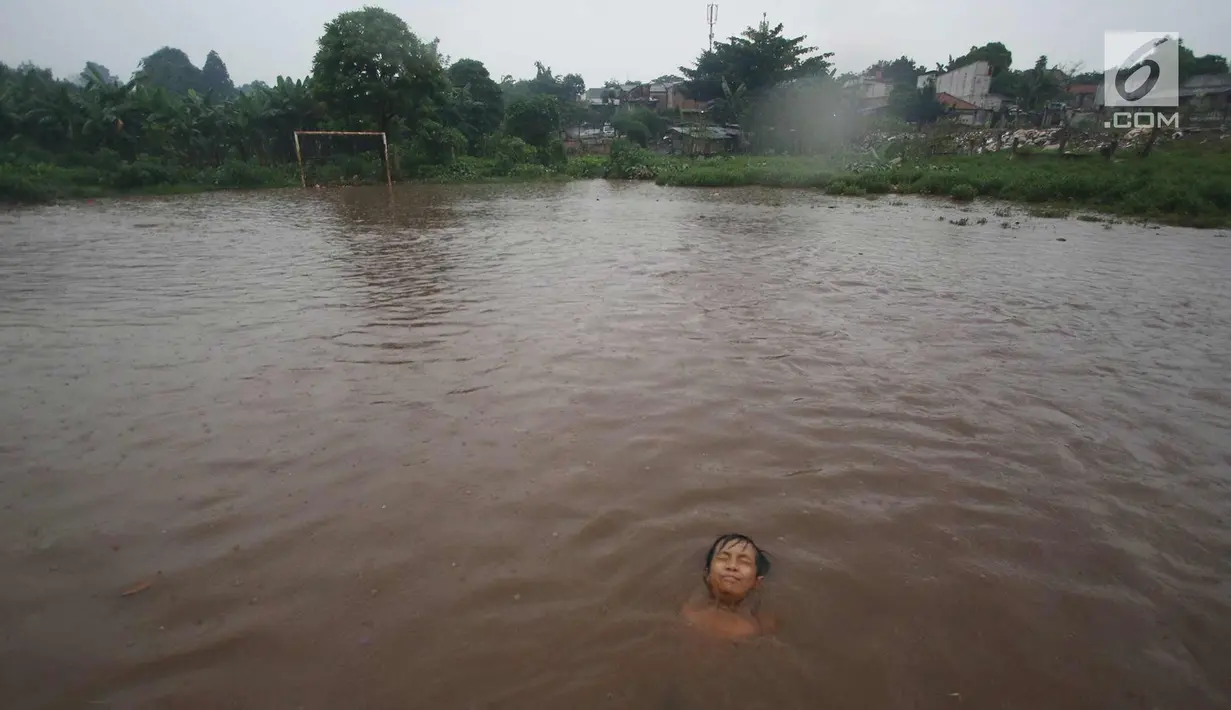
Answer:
(326, 152)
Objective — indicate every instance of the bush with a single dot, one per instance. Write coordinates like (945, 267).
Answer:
(587, 166)
(963, 191)
(508, 152)
(20, 186)
(104, 160)
(876, 183)
(240, 173)
(436, 144)
(632, 129)
(145, 172)
(630, 162)
(554, 155)
(935, 183)
(529, 171)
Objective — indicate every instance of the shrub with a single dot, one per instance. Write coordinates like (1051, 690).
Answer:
(587, 166)
(144, 172)
(20, 186)
(630, 162)
(963, 191)
(241, 173)
(875, 183)
(553, 155)
(509, 151)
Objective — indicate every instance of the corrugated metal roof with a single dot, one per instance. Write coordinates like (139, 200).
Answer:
(710, 132)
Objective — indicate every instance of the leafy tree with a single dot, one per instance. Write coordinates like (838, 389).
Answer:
(995, 53)
(370, 66)
(798, 117)
(574, 113)
(572, 86)
(652, 120)
(534, 119)
(478, 102)
(631, 128)
(600, 115)
(1037, 86)
(918, 106)
(169, 68)
(97, 72)
(1088, 77)
(565, 88)
(215, 77)
(900, 71)
(750, 65)
(1191, 65)
(436, 144)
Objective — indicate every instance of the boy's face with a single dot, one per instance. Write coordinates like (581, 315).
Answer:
(733, 571)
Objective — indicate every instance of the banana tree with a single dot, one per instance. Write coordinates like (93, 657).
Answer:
(53, 119)
(103, 105)
(249, 115)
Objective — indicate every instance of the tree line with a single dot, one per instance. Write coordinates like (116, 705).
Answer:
(173, 121)
(370, 72)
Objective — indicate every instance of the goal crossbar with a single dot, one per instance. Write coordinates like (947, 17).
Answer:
(383, 140)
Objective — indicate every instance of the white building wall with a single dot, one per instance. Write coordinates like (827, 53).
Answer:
(972, 83)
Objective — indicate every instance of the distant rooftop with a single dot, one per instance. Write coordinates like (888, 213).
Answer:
(711, 132)
(954, 102)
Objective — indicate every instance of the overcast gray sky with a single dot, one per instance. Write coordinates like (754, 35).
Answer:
(630, 39)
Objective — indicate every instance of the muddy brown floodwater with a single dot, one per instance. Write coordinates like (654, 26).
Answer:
(465, 448)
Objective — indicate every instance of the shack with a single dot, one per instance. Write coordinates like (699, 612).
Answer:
(704, 140)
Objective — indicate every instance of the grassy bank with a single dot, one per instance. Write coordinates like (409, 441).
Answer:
(29, 182)
(1181, 184)
(42, 182)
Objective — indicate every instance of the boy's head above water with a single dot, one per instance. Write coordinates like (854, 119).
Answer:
(734, 567)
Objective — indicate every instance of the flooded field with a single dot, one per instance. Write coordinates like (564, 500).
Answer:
(465, 447)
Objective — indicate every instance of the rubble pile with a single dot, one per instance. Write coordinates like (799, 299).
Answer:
(986, 140)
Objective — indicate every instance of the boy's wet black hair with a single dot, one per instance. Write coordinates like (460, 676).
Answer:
(723, 540)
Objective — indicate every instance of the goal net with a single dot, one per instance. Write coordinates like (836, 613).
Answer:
(342, 158)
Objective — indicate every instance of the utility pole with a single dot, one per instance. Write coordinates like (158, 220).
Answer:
(711, 11)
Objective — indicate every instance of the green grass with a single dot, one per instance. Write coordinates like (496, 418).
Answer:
(1181, 183)
(734, 171)
(24, 182)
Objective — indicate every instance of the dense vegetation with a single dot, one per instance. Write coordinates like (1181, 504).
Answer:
(174, 126)
(1160, 188)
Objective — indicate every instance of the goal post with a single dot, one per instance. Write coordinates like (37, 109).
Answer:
(384, 141)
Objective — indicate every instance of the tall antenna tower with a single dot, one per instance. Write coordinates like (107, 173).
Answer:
(711, 16)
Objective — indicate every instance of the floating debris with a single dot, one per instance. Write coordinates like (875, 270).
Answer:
(136, 589)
